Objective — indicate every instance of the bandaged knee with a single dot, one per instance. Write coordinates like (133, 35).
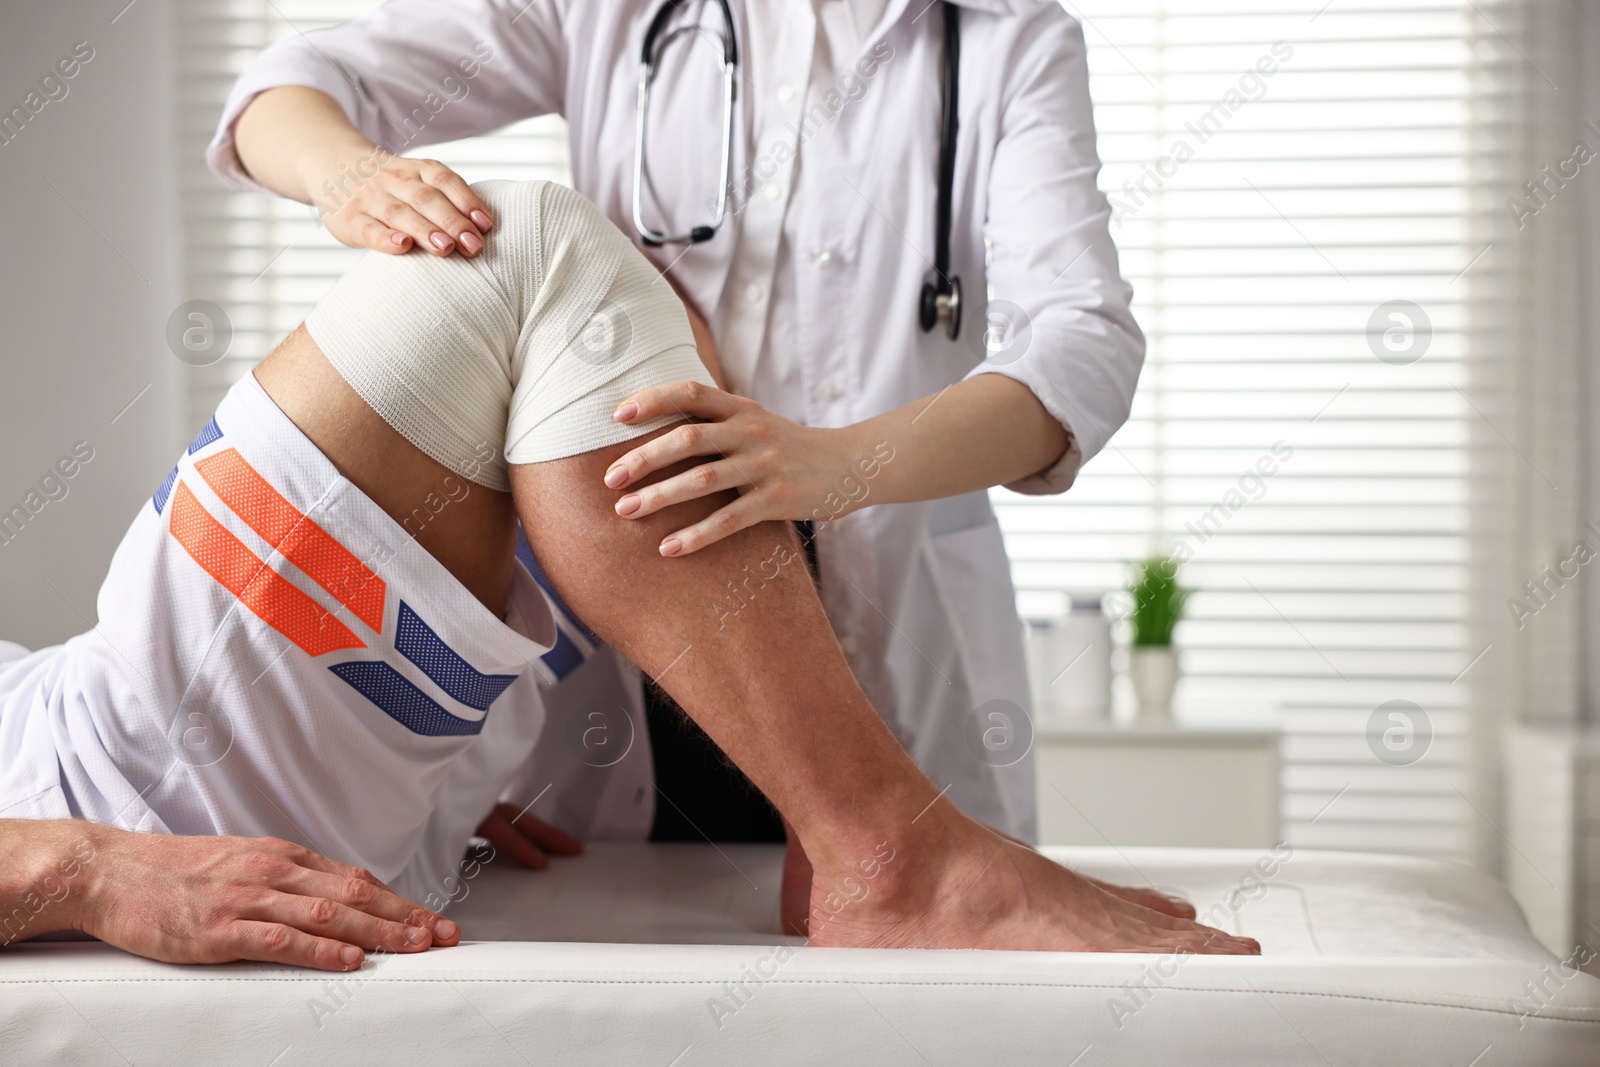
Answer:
(519, 355)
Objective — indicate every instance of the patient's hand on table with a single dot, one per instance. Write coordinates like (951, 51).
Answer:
(218, 899)
(527, 840)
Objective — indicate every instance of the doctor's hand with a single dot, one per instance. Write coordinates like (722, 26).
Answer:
(782, 470)
(527, 840)
(297, 141)
(405, 204)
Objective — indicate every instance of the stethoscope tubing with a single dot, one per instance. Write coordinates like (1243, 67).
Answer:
(941, 295)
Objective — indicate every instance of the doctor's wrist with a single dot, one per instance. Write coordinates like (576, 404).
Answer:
(333, 171)
(863, 457)
(288, 136)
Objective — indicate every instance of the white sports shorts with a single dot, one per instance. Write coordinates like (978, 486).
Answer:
(275, 655)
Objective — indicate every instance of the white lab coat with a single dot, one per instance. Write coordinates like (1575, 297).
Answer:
(920, 594)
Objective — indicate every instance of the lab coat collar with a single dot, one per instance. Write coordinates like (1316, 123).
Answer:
(1000, 7)
(996, 7)
(898, 9)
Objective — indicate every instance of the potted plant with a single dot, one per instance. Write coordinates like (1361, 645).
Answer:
(1152, 661)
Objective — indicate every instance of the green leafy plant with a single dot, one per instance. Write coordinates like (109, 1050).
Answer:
(1157, 601)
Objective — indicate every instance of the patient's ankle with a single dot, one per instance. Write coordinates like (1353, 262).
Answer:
(900, 865)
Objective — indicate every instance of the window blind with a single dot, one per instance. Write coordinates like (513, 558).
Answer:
(1281, 172)
(264, 261)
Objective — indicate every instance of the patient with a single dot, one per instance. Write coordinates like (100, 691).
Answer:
(348, 681)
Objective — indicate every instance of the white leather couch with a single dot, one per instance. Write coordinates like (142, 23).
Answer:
(664, 956)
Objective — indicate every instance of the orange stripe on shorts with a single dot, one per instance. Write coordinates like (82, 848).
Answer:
(302, 542)
(260, 588)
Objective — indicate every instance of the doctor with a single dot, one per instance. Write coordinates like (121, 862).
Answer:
(887, 212)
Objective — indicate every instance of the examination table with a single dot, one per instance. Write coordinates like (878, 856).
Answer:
(665, 956)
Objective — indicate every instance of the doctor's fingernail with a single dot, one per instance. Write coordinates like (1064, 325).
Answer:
(399, 239)
(626, 412)
(350, 955)
(482, 221)
(416, 935)
(628, 504)
(471, 243)
(440, 241)
(671, 546)
(616, 477)
(445, 929)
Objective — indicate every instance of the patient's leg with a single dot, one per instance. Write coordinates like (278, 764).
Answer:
(475, 537)
(895, 865)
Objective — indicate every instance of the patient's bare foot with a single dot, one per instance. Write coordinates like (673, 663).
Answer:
(795, 897)
(955, 885)
(1153, 899)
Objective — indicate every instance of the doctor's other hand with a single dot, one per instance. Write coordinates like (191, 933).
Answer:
(218, 899)
(526, 839)
(781, 469)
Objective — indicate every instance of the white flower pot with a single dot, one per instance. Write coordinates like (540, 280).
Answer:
(1154, 673)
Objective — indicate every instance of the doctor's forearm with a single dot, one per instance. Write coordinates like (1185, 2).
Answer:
(292, 135)
(980, 432)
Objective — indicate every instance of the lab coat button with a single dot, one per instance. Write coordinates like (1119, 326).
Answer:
(821, 256)
(827, 392)
(752, 293)
(773, 192)
(848, 643)
(785, 94)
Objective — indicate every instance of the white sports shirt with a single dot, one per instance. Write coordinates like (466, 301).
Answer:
(276, 656)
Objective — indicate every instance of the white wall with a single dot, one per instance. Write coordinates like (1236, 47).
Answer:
(1588, 282)
(85, 291)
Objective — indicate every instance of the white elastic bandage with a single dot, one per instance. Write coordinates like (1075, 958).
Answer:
(519, 355)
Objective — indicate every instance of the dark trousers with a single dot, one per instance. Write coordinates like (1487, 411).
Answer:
(700, 794)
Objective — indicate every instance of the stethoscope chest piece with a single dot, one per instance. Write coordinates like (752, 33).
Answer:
(940, 307)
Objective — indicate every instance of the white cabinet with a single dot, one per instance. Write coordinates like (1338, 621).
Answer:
(1552, 859)
(1176, 785)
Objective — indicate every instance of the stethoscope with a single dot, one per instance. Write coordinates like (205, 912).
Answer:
(941, 292)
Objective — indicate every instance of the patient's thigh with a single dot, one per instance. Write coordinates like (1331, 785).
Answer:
(474, 537)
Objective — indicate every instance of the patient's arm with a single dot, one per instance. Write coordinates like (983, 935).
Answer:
(201, 899)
